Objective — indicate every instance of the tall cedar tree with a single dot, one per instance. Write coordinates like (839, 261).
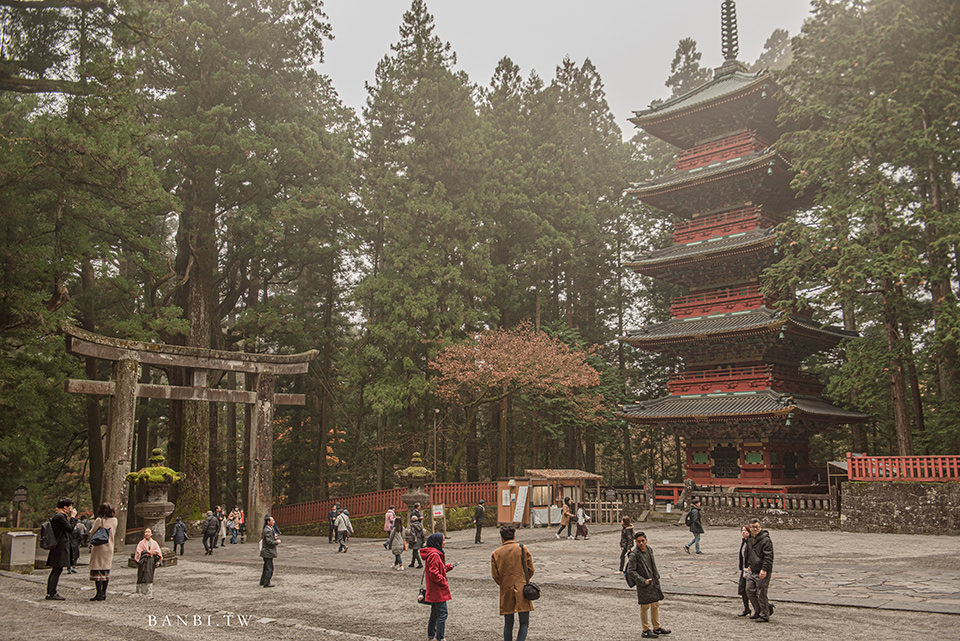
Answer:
(247, 152)
(429, 277)
(877, 85)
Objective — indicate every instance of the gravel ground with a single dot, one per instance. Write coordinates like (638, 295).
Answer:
(353, 597)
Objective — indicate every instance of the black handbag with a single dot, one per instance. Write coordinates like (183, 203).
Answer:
(100, 537)
(422, 594)
(531, 591)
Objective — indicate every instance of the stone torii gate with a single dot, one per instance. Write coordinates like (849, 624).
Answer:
(125, 388)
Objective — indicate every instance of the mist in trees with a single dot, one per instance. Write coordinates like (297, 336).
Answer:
(188, 175)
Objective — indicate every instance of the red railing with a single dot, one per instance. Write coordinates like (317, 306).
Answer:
(368, 503)
(903, 468)
(721, 224)
(743, 379)
(719, 150)
(720, 380)
(716, 301)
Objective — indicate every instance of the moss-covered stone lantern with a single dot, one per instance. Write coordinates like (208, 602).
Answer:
(416, 477)
(155, 508)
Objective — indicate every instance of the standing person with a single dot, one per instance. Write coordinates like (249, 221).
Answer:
(438, 589)
(147, 556)
(642, 570)
(268, 550)
(388, 518)
(415, 538)
(582, 518)
(507, 568)
(344, 529)
(233, 524)
(396, 543)
(211, 527)
(179, 535)
(59, 555)
(222, 531)
(332, 518)
(695, 523)
(626, 539)
(243, 525)
(76, 533)
(760, 563)
(566, 519)
(101, 556)
(744, 565)
(415, 512)
(478, 520)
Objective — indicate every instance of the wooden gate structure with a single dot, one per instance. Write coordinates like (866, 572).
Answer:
(125, 388)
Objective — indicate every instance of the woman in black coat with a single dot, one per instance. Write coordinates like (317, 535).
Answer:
(642, 570)
(59, 555)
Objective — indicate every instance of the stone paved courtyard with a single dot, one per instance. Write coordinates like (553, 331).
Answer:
(828, 585)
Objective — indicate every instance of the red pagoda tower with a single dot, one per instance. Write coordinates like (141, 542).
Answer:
(742, 405)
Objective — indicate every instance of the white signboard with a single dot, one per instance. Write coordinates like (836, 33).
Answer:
(521, 504)
(505, 498)
(438, 510)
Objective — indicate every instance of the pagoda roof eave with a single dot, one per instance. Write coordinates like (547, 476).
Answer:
(703, 250)
(682, 179)
(736, 406)
(734, 324)
(716, 89)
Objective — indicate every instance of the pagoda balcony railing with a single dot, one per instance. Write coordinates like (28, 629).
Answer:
(743, 379)
(733, 379)
(719, 150)
(722, 224)
(718, 301)
(903, 468)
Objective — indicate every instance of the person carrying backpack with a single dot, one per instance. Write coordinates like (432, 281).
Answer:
(56, 534)
(642, 572)
(696, 526)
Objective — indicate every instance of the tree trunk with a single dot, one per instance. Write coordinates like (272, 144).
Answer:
(92, 403)
(898, 388)
(231, 442)
(628, 464)
(473, 452)
(857, 430)
(502, 431)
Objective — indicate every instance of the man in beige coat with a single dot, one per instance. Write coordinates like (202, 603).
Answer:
(507, 571)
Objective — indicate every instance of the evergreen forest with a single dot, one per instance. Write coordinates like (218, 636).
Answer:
(185, 173)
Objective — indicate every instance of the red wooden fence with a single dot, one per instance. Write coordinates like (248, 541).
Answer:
(903, 468)
(368, 503)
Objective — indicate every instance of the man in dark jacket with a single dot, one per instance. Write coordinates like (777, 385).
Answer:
(760, 561)
(478, 520)
(59, 555)
(268, 551)
(642, 570)
(211, 530)
(696, 526)
(179, 534)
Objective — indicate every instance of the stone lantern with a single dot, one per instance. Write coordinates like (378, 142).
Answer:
(416, 477)
(157, 478)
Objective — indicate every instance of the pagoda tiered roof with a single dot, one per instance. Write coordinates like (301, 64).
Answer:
(759, 178)
(728, 102)
(716, 327)
(695, 263)
(737, 407)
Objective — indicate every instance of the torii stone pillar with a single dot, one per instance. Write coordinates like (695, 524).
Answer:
(260, 454)
(118, 459)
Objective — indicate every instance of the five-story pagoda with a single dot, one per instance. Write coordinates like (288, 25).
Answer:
(741, 403)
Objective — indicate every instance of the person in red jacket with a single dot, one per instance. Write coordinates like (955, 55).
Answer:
(438, 590)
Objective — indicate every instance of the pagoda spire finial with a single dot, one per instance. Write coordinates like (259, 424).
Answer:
(728, 30)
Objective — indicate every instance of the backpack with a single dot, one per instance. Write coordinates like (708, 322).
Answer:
(630, 582)
(688, 521)
(48, 538)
